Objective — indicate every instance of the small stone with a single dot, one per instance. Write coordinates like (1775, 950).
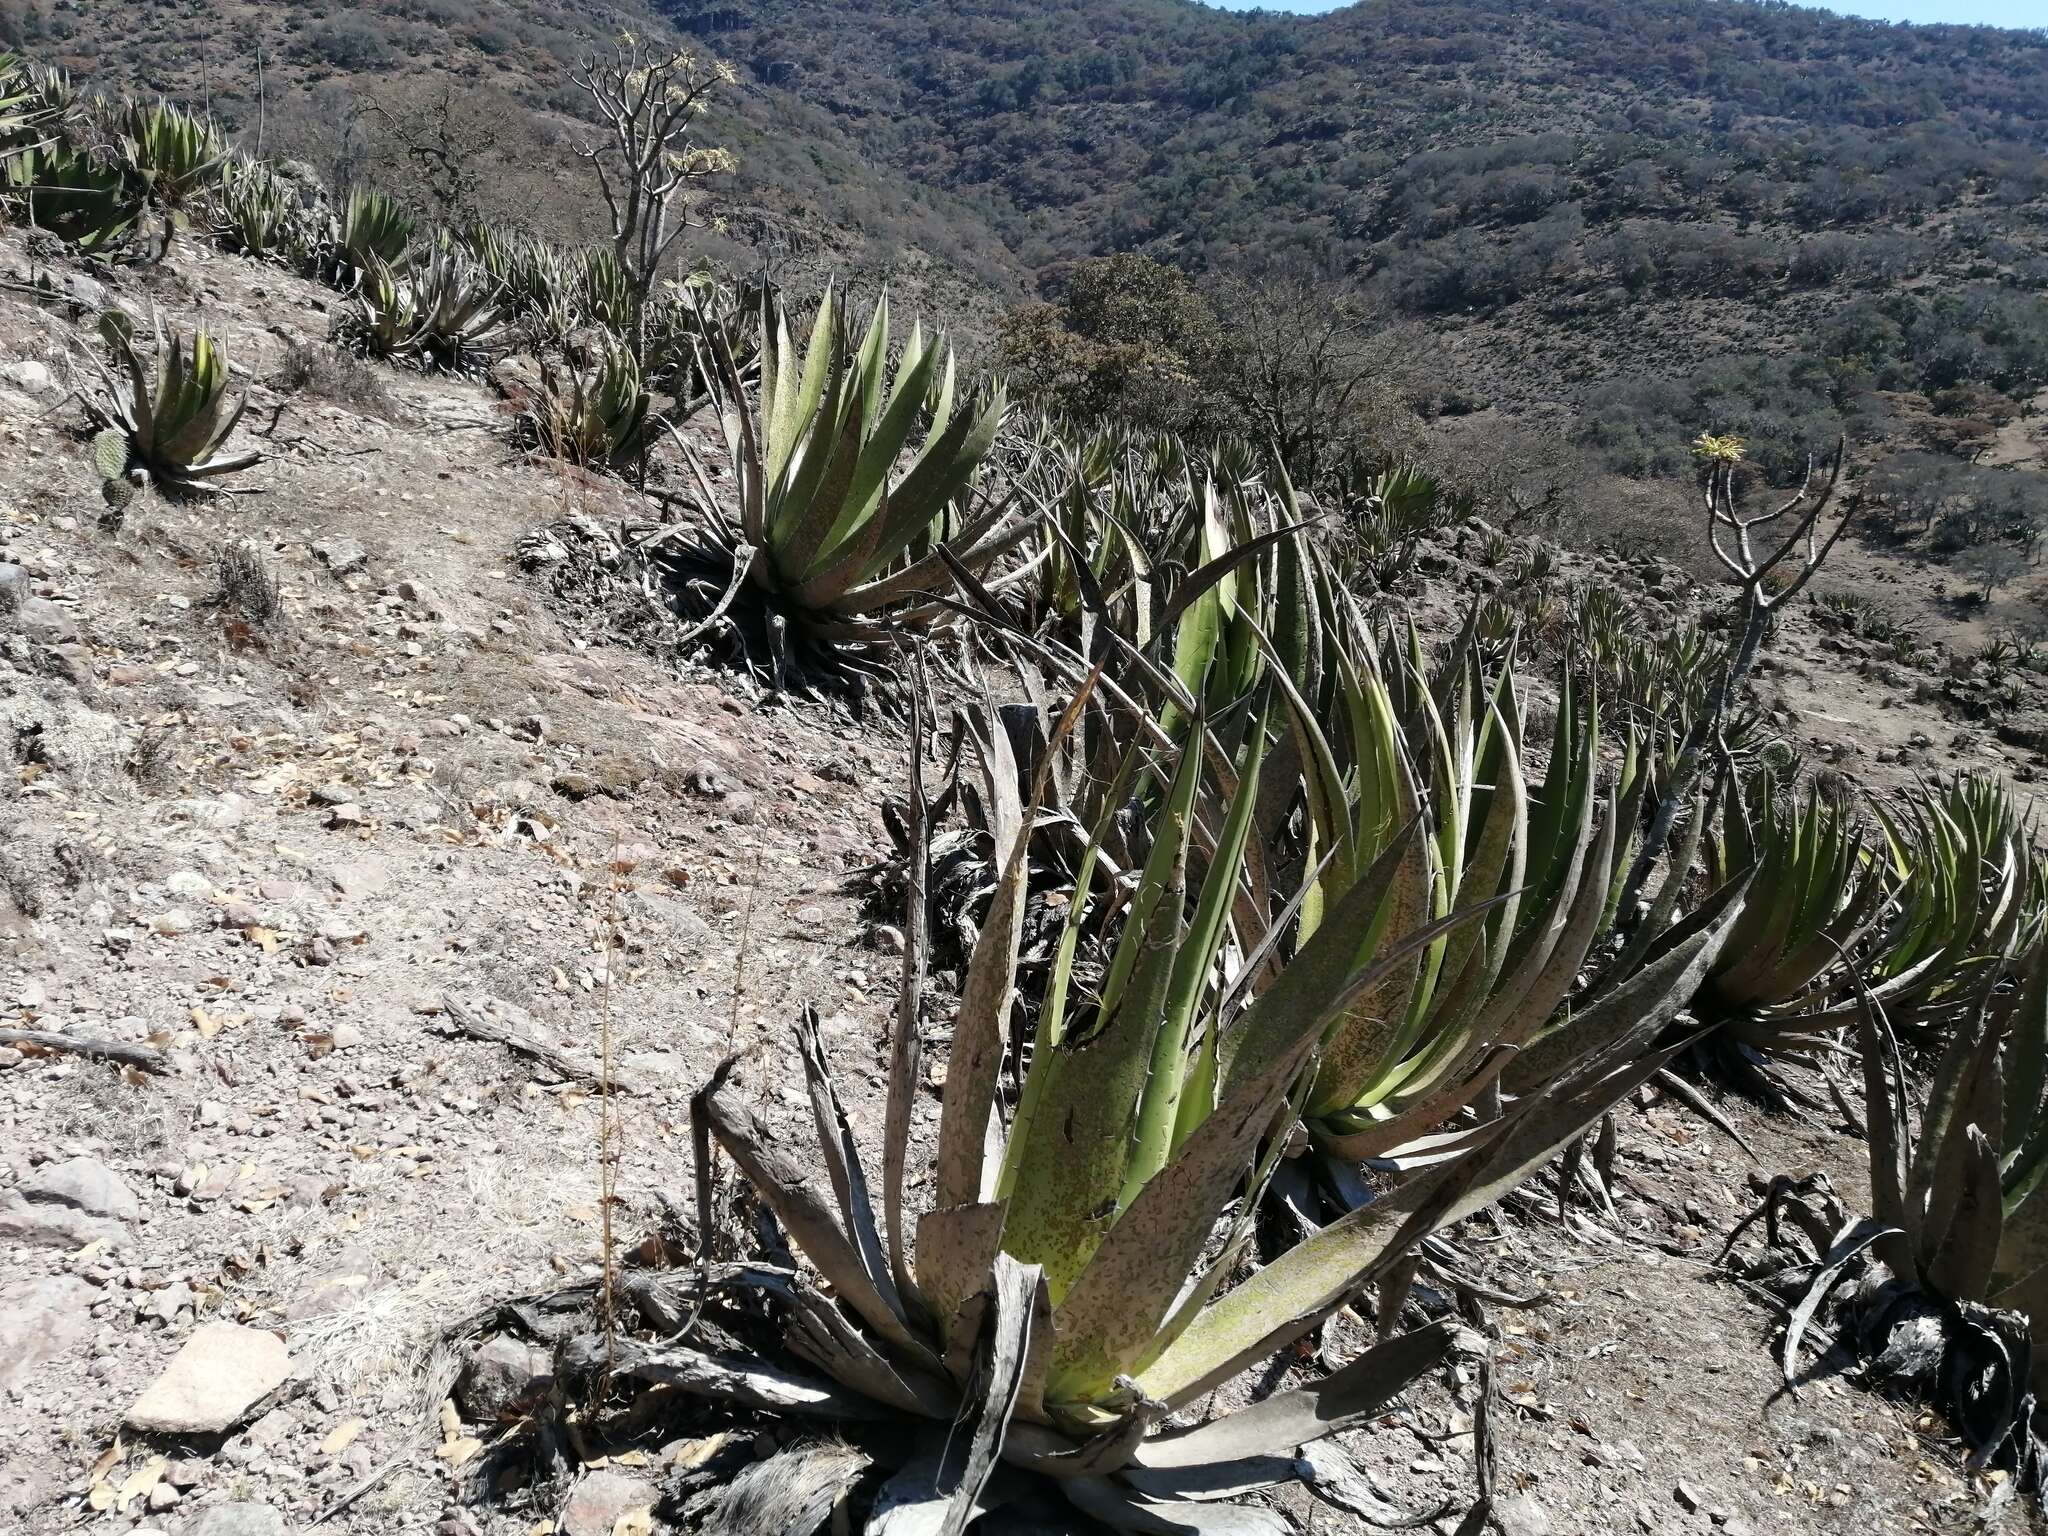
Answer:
(346, 817)
(503, 1373)
(40, 1321)
(46, 622)
(28, 376)
(740, 807)
(600, 1499)
(530, 728)
(344, 557)
(357, 879)
(346, 1037)
(162, 1497)
(573, 785)
(1520, 1515)
(223, 1371)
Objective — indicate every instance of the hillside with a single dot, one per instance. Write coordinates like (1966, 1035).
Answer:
(1569, 193)
(306, 860)
(604, 932)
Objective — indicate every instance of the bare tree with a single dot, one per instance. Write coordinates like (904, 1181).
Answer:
(1765, 584)
(1312, 368)
(445, 139)
(648, 99)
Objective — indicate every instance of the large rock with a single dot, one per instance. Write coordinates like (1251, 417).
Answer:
(40, 1321)
(502, 1374)
(28, 376)
(85, 1185)
(223, 1371)
(53, 1226)
(237, 1520)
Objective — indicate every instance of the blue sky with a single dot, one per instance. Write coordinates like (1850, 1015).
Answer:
(1994, 13)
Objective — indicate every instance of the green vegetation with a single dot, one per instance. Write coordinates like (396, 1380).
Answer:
(170, 421)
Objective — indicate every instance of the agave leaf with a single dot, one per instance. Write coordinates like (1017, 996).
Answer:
(1849, 1242)
(792, 1192)
(1102, 1500)
(956, 1246)
(1963, 1266)
(842, 1161)
(1289, 1297)
(1070, 1178)
(1889, 1128)
(906, 1045)
(1014, 1293)
(1281, 1424)
(981, 1026)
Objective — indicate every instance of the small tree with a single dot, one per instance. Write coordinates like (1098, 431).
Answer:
(648, 101)
(1991, 566)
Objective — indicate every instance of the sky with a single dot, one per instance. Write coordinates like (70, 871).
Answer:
(1992, 13)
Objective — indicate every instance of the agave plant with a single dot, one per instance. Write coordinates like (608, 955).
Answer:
(596, 415)
(1969, 883)
(170, 422)
(1819, 900)
(1949, 1273)
(824, 520)
(72, 195)
(441, 315)
(373, 229)
(1065, 1292)
(605, 292)
(35, 105)
(257, 214)
(172, 156)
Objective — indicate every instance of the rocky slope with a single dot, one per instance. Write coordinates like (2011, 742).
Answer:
(344, 876)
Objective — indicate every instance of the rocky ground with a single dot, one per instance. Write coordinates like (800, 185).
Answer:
(347, 871)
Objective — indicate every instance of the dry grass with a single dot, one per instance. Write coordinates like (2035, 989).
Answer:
(319, 371)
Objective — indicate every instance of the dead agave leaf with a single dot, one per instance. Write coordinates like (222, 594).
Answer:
(456, 1452)
(207, 1025)
(687, 1455)
(137, 1484)
(451, 1421)
(635, 1522)
(341, 1437)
